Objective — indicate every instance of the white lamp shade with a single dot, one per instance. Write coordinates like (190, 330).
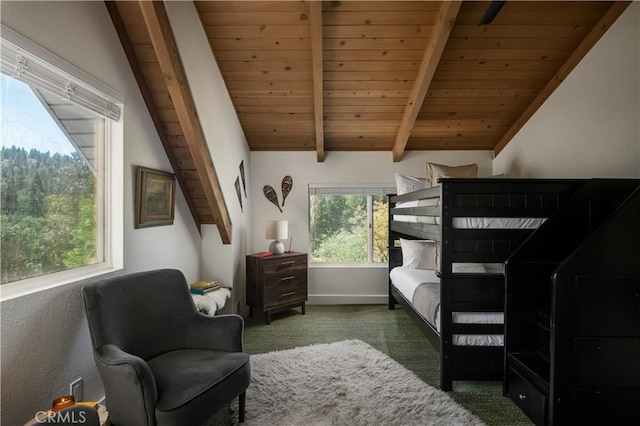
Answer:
(276, 230)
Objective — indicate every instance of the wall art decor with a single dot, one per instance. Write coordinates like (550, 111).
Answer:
(271, 195)
(237, 184)
(287, 184)
(244, 183)
(155, 198)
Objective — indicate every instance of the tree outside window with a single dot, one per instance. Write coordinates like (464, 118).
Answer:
(348, 228)
(48, 183)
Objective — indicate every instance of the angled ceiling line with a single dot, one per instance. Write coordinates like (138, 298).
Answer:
(572, 61)
(441, 31)
(159, 29)
(151, 106)
(315, 11)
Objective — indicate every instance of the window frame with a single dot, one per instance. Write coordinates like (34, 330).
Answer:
(109, 196)
(350, 189)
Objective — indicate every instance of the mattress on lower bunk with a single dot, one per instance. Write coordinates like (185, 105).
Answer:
(421, 287)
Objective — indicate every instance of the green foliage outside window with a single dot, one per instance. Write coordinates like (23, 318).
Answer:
(48, 213)
(339, 229)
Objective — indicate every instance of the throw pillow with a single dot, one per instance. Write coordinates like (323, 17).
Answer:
(436, 171)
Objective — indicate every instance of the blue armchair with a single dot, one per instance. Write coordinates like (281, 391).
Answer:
(162, 362)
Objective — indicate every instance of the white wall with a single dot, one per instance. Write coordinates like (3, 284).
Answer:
(336, 285)
(45, 342)
(590, 126)
(227, 145)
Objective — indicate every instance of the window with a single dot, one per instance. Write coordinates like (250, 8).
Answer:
(348, 225)
(57, 138)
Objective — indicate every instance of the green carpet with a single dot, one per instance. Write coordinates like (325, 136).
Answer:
(392, 332)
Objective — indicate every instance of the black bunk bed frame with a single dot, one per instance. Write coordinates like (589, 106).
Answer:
(572, 318)
(469, 292)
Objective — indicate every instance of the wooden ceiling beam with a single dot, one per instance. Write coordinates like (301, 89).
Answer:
(315, 12)
(118, 23)
(157, 24)
(441, 31)
(572, 61)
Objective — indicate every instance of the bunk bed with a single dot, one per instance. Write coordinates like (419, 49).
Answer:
(572, 312)
(476, 223)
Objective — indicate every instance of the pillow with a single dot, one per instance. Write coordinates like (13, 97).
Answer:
(418, 254)
(406, 183)
(436, 171)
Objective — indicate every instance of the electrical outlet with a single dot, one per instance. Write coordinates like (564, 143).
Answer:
(75, 389)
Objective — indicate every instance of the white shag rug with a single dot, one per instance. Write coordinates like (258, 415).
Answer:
(343, 383)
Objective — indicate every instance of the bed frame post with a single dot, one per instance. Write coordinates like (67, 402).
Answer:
(446, 296)
(392, 254)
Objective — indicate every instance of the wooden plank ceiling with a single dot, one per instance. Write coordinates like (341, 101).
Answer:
(396, 76)
(365, 75)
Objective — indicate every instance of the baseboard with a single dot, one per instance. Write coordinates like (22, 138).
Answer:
(341, 299)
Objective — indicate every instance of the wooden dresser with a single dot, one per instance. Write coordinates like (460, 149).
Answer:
(276, 283)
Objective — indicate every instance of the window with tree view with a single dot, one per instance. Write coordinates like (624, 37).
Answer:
(348, 228)
(55, 139)
(49, 182)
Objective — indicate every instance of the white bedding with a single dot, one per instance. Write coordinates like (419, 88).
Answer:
(406, 280)
(467, 222)
(477, 222)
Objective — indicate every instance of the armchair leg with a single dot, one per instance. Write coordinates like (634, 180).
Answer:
(241, 402)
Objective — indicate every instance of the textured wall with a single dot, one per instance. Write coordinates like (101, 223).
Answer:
(45, 346)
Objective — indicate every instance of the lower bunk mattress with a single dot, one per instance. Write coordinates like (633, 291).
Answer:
(421, 287)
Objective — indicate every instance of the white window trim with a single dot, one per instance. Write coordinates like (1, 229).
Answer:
(113, 179)
(28, 62)
(352, 189)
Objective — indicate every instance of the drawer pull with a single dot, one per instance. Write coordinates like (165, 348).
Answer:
(287, 278)
(288, 294)
(522, 396)
(290, 262)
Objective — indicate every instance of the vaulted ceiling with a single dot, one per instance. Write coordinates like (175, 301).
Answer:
(358, 75)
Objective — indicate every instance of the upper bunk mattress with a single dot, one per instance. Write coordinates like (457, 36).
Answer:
(467, 222)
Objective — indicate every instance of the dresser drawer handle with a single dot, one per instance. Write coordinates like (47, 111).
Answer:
(288, 294)
(522, 396)
(287, 278)
(290, 262)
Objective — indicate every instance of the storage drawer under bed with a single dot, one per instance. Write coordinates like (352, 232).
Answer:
(527, 397)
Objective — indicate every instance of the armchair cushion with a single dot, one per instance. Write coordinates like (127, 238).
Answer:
(200, 370)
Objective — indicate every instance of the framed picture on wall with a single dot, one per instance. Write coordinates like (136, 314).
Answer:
(155, 203)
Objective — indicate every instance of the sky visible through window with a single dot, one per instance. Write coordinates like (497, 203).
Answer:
(25, 122)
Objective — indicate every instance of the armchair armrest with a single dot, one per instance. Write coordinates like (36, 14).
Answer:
(218, 333)
(128, 382)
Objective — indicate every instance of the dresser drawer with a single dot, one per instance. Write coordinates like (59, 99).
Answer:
(282, 277)
(527, 397)
(277, 266)
(285, 292)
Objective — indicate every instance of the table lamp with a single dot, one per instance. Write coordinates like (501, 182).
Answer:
(276, 230)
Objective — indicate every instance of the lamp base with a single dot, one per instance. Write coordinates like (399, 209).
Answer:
(276, 247)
